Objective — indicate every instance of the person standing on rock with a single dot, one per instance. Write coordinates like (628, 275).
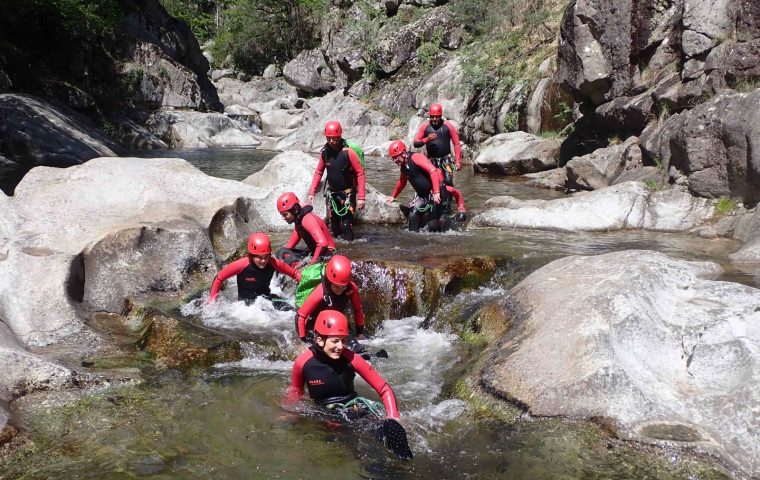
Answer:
(333, 293)
(432, 197)
(307, 226)
(437, 135)
(254, 273)
(345, 181)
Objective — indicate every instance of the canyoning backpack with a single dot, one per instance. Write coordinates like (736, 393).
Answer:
(311, 277)
(357, 150)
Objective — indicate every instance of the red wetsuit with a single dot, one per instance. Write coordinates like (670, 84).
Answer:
(344, 171)
(458, 197)
(422, 174)
(441, 146)
(332, 381)
(323, 298)
(252, 281)
(312, 229)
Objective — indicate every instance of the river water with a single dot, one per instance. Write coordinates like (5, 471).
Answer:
(227, 421)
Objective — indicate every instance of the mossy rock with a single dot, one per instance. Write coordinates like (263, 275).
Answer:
(177, 344)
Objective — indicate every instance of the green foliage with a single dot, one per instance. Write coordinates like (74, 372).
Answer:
(564, 113)
(76, 17)
(658, 162)
(163, 73)
(511, 121)
(198, 14)
(746, 85)
(256, 33)
(652, 185)
(725, 205)
(549, 134)
(427, 52)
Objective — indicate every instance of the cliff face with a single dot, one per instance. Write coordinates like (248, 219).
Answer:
(106, 68)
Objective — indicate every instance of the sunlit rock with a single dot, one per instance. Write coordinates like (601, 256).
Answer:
(187, 129)
(624, 206)
(516, 153)
(644, 339)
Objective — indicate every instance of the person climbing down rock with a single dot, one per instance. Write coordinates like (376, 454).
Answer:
(437, 136)
(254, 273)
(430, 206)
(307, 226)
(345, 181)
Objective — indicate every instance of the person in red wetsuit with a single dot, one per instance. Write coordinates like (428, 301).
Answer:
(345, 181)
(432, 197)
(333, 294)
(254, 272)
(328, 368)
(307, 226)
(437, 135)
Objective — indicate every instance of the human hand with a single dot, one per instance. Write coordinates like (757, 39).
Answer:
(436, 198)
(432, 136)
(458, 166)
(360, 204)
(390, 199)
(310, 199)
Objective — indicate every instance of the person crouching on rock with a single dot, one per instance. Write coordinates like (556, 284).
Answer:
(333, 294)
(254, 273)
(432, 197)
(307, 226)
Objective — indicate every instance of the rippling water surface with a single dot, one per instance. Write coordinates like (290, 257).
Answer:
(227, 422)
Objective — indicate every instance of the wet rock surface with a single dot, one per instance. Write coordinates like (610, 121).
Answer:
(642, 338)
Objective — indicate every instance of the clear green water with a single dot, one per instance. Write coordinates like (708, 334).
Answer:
(227, 422)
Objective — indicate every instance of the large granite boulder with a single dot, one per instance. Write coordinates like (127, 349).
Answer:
(35, 132)
(715, 145)
(257, 91)
(601, 167)
(370, 129)
(623, 206)
(517, 153)
(308, 72)
(644, 342)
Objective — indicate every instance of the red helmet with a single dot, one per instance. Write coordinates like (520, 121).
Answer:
(338, 270)
(258, 244)
(287, 201)
(435, 110)
(333, 129)
(331, 323)
(397, 148)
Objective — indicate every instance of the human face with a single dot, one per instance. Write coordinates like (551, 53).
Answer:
(338, 289)
(436, 119)
(399, 159)
(332, 346)
(288, 216)
(334, 142)
(260, 260)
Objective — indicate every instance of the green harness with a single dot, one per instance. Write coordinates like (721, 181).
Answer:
(356, 404)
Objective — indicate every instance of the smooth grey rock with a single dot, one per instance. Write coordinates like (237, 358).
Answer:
(34, 132)
(305, 72)
(257, 91)
(645, 340)
(624, 206)
(187, 129)
(371, 129)
(217, 75)
(272, 71)
(554, 179)
(599, 168)
(517, 153)
(444, 86)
